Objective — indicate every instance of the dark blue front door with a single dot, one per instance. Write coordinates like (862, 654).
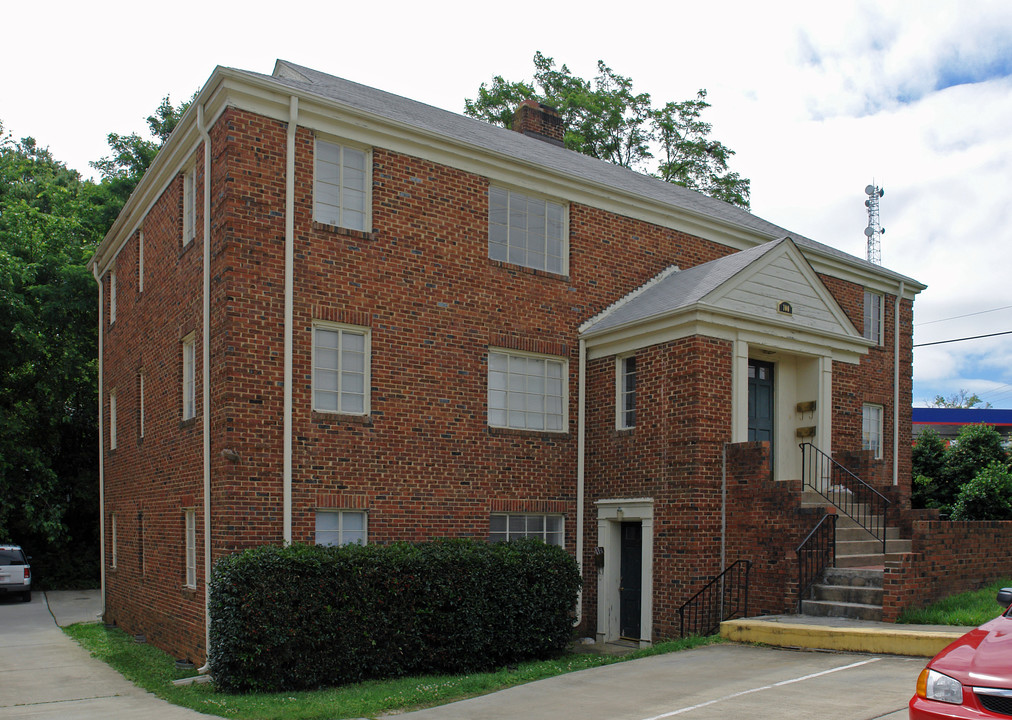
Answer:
(630, 585)
(760, 402)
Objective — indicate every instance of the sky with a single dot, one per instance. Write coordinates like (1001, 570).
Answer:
(817, 100)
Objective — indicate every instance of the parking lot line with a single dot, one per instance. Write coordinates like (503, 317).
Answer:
(791, 681)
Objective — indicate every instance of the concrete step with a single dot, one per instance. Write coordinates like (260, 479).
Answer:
(877, 560)
(855, 532)
(867, 595)
(866, 547)
(857, 611)
(851, 577)
(846, 523)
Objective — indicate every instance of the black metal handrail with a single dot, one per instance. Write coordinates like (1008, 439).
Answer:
(850, 494)
(724, 597)
(815, 553)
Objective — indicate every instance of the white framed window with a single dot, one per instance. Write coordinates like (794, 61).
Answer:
(114, 559)
(510, 526)
(189, 204)
(191, 547)
(871, 429)
(189, 377)
(341, 368)
(625, 400)
(140, 261)
(873, 316)
(112, 296)
(341, 186)
(341, 527)
(526, 230)
(527, 391)
(140, 403)
(112, 419)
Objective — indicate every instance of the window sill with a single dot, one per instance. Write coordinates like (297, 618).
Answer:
(516, 432)
(625, 432)
(189, 422)
(514, 268)
(189, 592)
(334, 418)
(348, 232)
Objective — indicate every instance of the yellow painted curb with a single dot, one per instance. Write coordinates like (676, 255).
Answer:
(824, 637)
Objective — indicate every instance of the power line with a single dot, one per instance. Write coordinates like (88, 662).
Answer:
(975, 337)
(957, 317)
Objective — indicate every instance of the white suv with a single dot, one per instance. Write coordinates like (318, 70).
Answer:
(15, 572)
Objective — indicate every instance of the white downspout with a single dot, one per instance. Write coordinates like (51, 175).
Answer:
(581, 403)
(293, 116)
(206, 389)
(896, 387)
(101, 442)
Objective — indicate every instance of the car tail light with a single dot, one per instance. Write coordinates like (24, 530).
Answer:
(28, 574)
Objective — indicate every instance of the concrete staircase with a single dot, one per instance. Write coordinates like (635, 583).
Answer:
(853, 589)
(846, 592)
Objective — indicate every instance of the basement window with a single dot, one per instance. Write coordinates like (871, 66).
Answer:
(340, 527)
(508, 526)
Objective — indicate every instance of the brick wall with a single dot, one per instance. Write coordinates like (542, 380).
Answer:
(149, 480)
(946, 558)
(424, 463)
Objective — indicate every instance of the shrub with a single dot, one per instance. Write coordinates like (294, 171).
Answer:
(975, 448)
(309, 616)
(928, 460)
(987, 497)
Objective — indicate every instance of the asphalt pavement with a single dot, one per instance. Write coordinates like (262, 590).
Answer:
(45, 675)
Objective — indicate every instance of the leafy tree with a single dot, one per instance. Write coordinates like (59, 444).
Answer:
(132, 155)
(988, 496)
(928, 463)
(49, 225)
(975, 448)
(608, 120)
(961, 399)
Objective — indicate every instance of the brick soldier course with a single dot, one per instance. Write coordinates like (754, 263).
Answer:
(426, 459)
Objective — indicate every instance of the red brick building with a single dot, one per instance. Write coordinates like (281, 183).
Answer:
(331, 314)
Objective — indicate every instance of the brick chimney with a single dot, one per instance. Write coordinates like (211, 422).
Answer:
(539, 121)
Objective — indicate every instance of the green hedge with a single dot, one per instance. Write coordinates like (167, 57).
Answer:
(308, 616)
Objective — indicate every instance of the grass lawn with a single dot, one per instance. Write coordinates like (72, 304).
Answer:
(970, 608)
(153, 670)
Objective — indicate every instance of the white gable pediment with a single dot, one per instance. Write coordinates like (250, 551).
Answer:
(781, 287)
(769, 294)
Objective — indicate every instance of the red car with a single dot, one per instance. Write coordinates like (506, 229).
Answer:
(972, 677)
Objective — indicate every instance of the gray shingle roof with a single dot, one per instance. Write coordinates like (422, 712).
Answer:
(671, 291)
(512, 144)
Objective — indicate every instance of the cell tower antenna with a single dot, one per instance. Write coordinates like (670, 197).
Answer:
(874, 231)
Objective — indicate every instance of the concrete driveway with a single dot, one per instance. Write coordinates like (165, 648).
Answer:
(719, 681)
(44, 674)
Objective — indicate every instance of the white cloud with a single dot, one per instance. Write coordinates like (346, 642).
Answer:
(817, 100)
